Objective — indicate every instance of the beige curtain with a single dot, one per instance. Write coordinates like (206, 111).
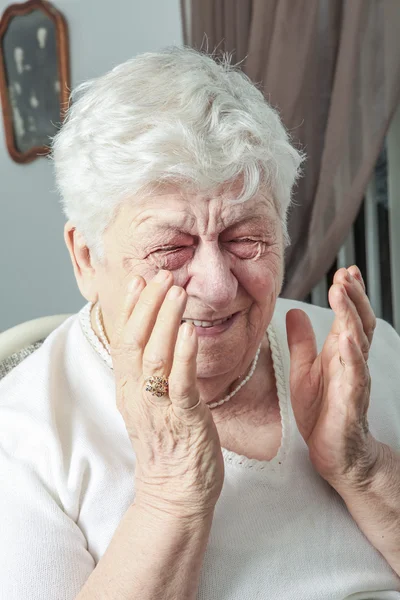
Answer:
(332, 68)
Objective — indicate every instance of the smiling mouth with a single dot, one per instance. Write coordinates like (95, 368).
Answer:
(206, 324)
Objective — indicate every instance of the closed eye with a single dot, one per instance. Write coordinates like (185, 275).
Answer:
(172, 257)
(172, 248)
(246, 241)
(247, 248)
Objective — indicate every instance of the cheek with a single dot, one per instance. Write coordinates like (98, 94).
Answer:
(148, 269)
(262, 279)
(113, 293)
(115, 282)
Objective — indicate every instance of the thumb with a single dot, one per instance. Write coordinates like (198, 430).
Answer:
(301, 342)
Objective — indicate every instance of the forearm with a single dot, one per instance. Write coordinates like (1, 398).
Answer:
(150, 557)
(375, 505)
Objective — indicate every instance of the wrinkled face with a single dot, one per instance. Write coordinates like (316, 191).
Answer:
(228, 258)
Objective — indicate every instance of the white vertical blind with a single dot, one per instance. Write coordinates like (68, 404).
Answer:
(393, 152)
(347, 256)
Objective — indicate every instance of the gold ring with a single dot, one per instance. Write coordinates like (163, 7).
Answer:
(342, 361)
(157, 385)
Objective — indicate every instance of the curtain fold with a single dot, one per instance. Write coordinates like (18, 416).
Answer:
(332, 69)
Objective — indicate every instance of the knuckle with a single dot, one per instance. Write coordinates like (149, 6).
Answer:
(152, 363)
(179, 389)
(125, 339)
(125, 350)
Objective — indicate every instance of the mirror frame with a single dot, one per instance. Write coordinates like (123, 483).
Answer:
(63, 68)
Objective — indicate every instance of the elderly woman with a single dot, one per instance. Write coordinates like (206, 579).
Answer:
(188, 434)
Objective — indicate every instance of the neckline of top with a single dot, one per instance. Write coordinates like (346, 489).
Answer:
(232, 458)
(276, 464)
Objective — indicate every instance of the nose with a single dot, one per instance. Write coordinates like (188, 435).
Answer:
(211, 279)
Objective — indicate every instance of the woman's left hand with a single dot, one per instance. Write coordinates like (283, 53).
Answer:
(330, 398)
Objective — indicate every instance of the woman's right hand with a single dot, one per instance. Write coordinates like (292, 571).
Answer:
(179, 462)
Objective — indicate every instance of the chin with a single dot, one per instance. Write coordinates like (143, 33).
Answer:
(223, 353)
(212, 368)
(217, 363)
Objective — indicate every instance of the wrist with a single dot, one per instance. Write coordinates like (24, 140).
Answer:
(368, 470)
(368, 466)
(165, 515)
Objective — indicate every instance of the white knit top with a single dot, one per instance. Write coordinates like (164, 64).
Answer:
(67, 478)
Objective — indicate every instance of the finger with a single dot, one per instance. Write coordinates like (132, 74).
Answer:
(128, 303)
(140, 324)
(356, 292)
(117, 345)
(356, 273)
(301, 341)
(183, 390)
(356, 369)
(347, 318)
(159, 351)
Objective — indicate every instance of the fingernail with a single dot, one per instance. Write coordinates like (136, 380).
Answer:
(174, 292)
(161, 276)
(187, 330)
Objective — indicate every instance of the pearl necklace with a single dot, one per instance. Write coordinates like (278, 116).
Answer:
(105, 342)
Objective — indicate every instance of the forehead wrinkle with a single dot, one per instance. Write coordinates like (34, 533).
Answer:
(153, 221)
(164, 219)
(223, 215)
(252, 219)
(155, 227)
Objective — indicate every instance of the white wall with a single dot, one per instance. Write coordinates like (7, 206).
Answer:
(36, 276)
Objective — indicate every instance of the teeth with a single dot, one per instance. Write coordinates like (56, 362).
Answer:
(206, 323)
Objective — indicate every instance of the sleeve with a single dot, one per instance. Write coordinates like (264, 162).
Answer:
(43, 553)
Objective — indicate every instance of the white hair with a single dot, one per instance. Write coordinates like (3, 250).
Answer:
(176, 116)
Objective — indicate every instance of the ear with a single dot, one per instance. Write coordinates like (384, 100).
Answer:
(82, 262)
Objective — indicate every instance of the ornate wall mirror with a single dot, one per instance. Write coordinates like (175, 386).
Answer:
(34, 76)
